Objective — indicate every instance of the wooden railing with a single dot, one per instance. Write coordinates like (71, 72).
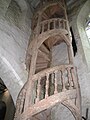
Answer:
(21, 101)
(47, 83)
(52, 81)
(51, 24)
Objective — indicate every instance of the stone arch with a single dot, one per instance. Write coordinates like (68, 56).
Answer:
(11, 67)
(81, 24)
(9, 77)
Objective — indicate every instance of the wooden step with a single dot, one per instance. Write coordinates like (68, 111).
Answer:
(44, 48)
(41, 66)
(45, 56)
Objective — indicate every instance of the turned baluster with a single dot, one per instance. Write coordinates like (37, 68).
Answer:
(17, 107)
(23, 93)
(48, 25)
(47, 85)
(52, 77)
(55, 82)
(59, 23)
(63, 80)
(39, 29)
(38, 90)
(54, 22)
(74, 82)
(23, 99)
(42, 27)
(69, 77)
(21, 103)
(63, 22)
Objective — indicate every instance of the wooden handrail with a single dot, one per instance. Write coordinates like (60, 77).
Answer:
(66, 78)
(50, 70)
(53, 19)
(47, 25)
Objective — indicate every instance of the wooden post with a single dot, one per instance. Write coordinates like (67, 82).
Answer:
(63, 24)
(63, 81)
(42, 27)
(59, 23)
(28, 99)
(47, 85)
(70, 53)
(56, 91)
(48, 25)
(69, 78)
(54, 22)
(75, 80)
(38, 90)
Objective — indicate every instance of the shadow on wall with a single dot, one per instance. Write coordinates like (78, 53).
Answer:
(73, 42)
(7, 108)
(2, 110)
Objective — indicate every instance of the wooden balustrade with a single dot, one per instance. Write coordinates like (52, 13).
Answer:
(55, 23)
(21, 101)
(52, 85)
(64, 80)
(63, 76)
(47, 25)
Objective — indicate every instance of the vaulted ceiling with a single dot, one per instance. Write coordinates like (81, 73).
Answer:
(71, 4)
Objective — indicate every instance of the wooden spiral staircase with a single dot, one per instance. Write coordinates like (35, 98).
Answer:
(46, 85)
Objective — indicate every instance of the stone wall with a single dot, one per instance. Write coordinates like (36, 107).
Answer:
(81, 25)
(60, 54)
(77, 21)
(15, 22)
(60, 112)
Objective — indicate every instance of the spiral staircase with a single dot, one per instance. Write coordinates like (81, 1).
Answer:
(47, 86)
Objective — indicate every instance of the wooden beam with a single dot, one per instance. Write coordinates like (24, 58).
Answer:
(48, 103)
